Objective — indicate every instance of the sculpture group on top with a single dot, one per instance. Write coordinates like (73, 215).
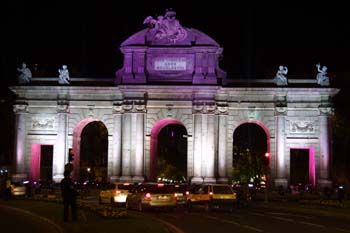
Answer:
(322, 76)
(25, 75)
(281, 76)
(63, 77)
(166, 27)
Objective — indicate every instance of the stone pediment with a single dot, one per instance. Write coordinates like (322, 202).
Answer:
(168, 52)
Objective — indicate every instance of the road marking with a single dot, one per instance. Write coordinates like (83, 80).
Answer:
(283, 219)
(312, 224)
(258, 214)
(253, 228)
(46, 220)
(295, 215)
(343, 230)
(231, 222)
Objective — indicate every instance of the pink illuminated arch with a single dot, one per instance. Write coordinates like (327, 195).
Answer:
(76, 143)
(154, 141)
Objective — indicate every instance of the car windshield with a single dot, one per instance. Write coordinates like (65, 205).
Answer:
(222, 190)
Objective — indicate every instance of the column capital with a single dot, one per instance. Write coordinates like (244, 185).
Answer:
(204, 108)
(20, 108)
(280, 111)
(62, 108)
(134, 106)
(325, 111)
(222, 108)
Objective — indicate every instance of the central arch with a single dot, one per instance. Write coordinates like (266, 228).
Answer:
(251, 142)
(77, 137)
(155, 132)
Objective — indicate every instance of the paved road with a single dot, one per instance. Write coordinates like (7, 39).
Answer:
(14, 220)
(255, 219)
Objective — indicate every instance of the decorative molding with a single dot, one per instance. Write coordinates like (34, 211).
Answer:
(20, 108)
(302, 127)
(42, 123)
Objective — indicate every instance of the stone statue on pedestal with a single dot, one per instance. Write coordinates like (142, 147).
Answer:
(281, 78)
(25, 75)
(63, 77)
(322, 76)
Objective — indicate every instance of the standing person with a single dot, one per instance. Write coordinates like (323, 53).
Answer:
(7, 188)
(341, 195)
(69, 196)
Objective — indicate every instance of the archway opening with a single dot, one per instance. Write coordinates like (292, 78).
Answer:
(250, 160)
(93, 153)
(172, 154)
(168, 160)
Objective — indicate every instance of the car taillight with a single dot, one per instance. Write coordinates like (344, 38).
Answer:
(148, 196)
(210, 195)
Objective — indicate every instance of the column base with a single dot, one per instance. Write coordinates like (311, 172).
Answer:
(125, 179)
(324, 183)
(196, 180)
(138, 179)
(57, 178)
(114, 179)
(281, 182)
(222, 180)
(18, 177)
(209, 180)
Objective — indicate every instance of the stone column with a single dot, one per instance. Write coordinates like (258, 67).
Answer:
(209, 147)
(281, 178)
(126, 147)
(324, 141)
(197, 149)
(133, 141)
(222, 145)
(61, 151)
(139, 148)
(114, 166)
(20, 137)
(204, 143)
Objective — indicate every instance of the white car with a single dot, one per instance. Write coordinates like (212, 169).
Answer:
(115, 193)
(18, 189)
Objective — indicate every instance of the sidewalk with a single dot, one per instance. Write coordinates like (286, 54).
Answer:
(89, 222)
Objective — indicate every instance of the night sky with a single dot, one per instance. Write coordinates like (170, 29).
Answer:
(256, 37)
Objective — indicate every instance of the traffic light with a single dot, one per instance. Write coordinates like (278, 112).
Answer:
(70, 155)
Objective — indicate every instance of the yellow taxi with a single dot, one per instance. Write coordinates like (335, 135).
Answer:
(115, 193)
(152, 195)
(212, 196)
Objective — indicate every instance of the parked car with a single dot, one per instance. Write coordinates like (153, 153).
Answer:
(18, 189)
(115, 193)
(181, 193)
(212, 196)
(151, 195)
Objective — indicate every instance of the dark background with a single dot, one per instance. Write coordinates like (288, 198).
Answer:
(256, 37)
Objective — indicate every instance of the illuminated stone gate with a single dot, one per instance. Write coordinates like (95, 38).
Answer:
(171, 74)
